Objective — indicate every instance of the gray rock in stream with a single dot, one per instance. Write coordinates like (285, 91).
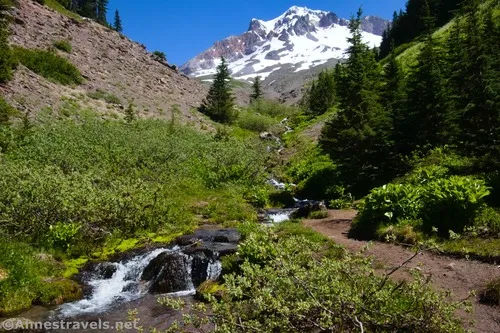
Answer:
(172, 273)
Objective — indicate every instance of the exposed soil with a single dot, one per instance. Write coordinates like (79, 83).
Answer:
(458, 275)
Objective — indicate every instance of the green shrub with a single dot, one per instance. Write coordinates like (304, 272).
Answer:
(341, 203)
(424, 175)
(105, 96)
(63, 45)
(385, 206)
(487, 222)
(254, 122)
(160, 55)
(28, 278)
(318, 215)
(6, 62)
(316, 176)
(281, 199)
(452, 204)
(293, 293)
(49, 65)
(273, 109)
(112, 178)
(6, 111)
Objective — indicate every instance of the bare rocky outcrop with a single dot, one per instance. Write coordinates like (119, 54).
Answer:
(108, 61)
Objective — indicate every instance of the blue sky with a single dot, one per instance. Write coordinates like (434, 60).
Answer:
(184, 28)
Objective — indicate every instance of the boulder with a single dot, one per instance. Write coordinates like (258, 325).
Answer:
(174, 274)
(306, 207)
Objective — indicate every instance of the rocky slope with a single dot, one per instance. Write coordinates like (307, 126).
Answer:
(109, 62)
(298, 40)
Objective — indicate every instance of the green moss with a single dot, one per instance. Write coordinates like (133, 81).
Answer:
(209, 289)
(72, 266)
(478, 248)
(59, 291)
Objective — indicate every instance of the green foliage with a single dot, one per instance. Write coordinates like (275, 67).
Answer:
(316, 176)
(386, 205)
(105, 96)
(6, 111)
(117, 24)
(49, 65)
(62, 235)
(130, 113)
(452, 204)
(321, 95)
(219, 103)
(273, 109)
(28, 277)
(160, 55)
(6, 58)
(257, 90)
(491, 294)
(111, 178)
(294, 293)
(318, 215)
(63, 45)
(341, 203)
(357, 136)
(255, 122)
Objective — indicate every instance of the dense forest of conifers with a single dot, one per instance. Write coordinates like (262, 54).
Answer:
(413, 21)
(389, 115)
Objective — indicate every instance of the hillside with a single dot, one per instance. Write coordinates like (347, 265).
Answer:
(110, 63)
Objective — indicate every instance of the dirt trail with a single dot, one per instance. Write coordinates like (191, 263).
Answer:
(459, 275)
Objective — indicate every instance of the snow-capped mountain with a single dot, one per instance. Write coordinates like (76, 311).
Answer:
(301, 38)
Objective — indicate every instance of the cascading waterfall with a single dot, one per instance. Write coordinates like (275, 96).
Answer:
(124, 285)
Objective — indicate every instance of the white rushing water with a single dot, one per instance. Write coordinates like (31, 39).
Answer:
(280, 217)
(125, 284)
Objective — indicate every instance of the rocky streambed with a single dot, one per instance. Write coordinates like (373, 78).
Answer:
(134, 280)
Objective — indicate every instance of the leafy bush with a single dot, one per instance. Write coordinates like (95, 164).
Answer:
(28, 278)
(424, 175)
(63, 45)
(49, 65)
(294, 293)
(273, 109)
(105, 96)
(254, 122)
(318, 215)
(385, 206)
(452, 204)
(316, 176)
(160, 55)
(109, 177)
(341, 203)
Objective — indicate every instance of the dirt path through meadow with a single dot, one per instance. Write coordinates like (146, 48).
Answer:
(459, 275)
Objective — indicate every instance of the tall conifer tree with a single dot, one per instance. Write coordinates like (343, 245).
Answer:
(219, 103)
(117, 25)
(357, 137)
(257, 89)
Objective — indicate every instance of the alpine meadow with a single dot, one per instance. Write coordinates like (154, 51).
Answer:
(312, 174)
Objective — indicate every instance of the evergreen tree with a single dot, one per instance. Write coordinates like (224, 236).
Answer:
(257, 89)
(6, 59)
(322, 93)
(118, 22)
(480, 118)
(102, 10)
(219, 103)
(357, 137)
(424, 126)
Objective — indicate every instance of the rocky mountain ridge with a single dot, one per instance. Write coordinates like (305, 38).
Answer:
(301, 37)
